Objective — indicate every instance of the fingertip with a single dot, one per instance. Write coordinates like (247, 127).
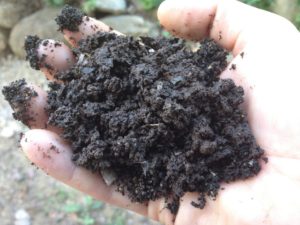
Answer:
(54, 56)
(189, 19)
(88, 27)
(161, 9)
(30, 143)
(48, 152)
(27, 102)
(48, 55)
(37, 108)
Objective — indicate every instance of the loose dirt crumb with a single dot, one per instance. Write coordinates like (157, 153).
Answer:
(31, 45)
(242, 54)
(70, 18)
(220, 35)
(54, 148)
(232, 67)
(18, 94)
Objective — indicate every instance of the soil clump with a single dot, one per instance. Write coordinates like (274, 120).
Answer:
(70, 18)
(154, 114)
(18, 94)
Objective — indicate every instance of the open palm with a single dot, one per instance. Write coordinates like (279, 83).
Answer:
(266, 49)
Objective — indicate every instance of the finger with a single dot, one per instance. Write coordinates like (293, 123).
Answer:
(231, 23)
(36, 109)
(76, 26)
(53, 155)
(28, 102)
(88, 27)
(158, 211)
(48, 55)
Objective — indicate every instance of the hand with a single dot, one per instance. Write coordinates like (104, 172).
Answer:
(266, 50)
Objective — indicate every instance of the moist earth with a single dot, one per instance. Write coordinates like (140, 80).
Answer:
(155, 115)
(18, 94)
(70, 18)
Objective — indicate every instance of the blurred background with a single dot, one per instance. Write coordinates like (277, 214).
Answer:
(27, 195)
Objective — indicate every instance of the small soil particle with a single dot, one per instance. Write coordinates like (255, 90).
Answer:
(54, 148)
(70, 18)
(57, 44)
(232, 67)
(45, 43)
(242, 54)
(154, 114)
(220, 35)
(31, 45)
(18, 94)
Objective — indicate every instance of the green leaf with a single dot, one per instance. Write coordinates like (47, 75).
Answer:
(166, 34)
(87, 220)
(55, 2)
(150, 4)
(120, 220)
(89, 5)
(97, 205)
(72, 208)
(88, 201)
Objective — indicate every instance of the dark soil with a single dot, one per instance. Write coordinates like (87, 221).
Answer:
(31, 45)
(18, 94)
(70, 18)
(154, 114)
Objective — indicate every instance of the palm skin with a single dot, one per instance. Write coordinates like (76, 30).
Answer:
(266, 51)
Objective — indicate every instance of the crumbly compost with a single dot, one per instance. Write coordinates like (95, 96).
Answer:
(18, 94)
(31, 45)
(156, 115)
(70, 18)
(151, 116)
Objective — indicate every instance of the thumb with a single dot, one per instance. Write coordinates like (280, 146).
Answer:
(229, 22)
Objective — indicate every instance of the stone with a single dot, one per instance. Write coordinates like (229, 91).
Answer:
(22, 217)
(11, 11)
(10, 129)
(3, 40)
(112, 6)
(132, 25)
(40, 23)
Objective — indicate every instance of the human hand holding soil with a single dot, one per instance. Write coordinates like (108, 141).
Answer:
(263, 46)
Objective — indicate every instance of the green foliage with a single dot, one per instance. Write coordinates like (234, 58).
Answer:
(268, 4)
(297, 20)
(55, 3)
(263, 4)
(166, 34)
(89, 5)
(118, 218)
(72, 208)
(87, 220)
(83, 209)
(150, 4)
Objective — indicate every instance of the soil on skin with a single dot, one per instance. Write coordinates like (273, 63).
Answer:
(31, 45)
(18, 94)
(70, 18)
(156, 116)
